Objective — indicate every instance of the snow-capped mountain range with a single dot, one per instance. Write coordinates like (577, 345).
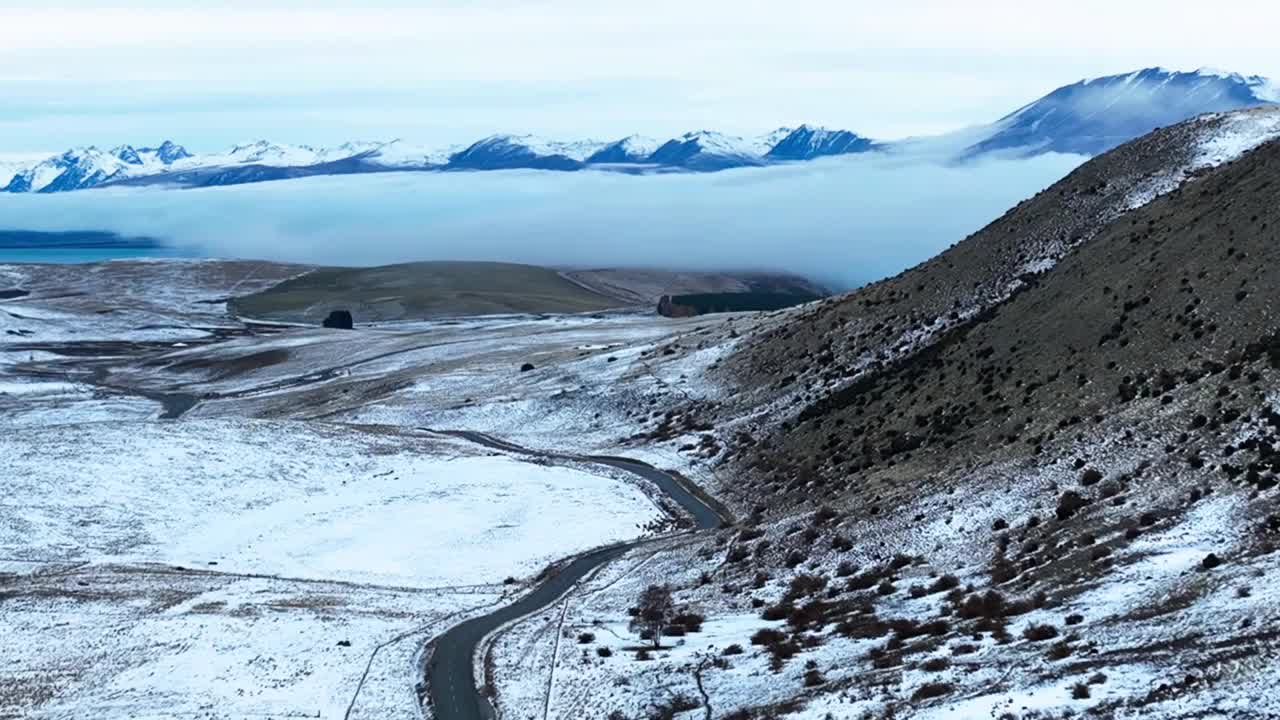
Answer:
(1087, 118)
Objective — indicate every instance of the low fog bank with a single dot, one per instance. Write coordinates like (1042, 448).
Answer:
(841, 221)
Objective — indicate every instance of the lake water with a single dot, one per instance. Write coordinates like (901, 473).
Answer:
(83, 255)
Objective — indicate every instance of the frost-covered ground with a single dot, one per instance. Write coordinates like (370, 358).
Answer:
(211, 567)
(288, 548)
(299, 500)
(164, 642)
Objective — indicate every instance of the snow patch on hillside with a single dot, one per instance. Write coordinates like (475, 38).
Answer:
(1221, 138)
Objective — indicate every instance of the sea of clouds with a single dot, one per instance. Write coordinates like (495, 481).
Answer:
(843, 221)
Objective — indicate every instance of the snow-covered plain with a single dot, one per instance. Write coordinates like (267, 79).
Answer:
(219, 565)
(233, 568)
(296, 500)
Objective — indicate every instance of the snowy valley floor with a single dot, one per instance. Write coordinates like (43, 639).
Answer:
(290, 545)
(244, 568)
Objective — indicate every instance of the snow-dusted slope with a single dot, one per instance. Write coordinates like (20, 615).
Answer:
(765, 143)
(807, 142)
(500, 152)
(399, 154)
(708, 150)
(630, 149)
(1093, 116)
(73, 170)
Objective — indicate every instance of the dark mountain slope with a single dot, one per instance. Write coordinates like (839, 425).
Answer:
(808, 354)
(1177, 291)
(1066, 504)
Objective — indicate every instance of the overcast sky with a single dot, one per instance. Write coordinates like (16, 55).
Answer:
(210, 74)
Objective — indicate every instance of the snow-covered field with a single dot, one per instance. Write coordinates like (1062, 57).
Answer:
(298, 500)
(289, 547)
(157, 642)
(242, 568)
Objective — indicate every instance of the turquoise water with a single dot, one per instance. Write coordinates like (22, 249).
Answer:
(82, 255)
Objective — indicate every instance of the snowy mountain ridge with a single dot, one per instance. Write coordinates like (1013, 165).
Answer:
(1088, 117)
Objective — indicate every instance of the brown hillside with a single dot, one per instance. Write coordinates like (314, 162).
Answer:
(1181, 293)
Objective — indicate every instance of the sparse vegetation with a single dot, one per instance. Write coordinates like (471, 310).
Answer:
(1039, 633)
(932, 690)
(654, 613)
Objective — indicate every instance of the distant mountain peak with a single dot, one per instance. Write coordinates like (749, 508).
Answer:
(630, 149)
(170, 152)
(1094, 115)
(807, 142)
(127, 154)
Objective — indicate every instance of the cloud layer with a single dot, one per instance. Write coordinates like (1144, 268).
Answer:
(843, 220)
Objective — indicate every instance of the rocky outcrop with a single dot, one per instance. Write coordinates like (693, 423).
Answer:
(340, 319)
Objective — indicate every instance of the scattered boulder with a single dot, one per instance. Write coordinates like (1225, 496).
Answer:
(340, 319)
(526, 367)
(1211, 561)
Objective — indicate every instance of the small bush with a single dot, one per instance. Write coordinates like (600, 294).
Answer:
(690, 621)
(813, 678)
(864, 581)
(1080, 691)
(586, 638)
(964, 649)
(777, 612)
(805, 584)
(937, 664)
(1074, 619)
(932, 690)
(1091, 476)
(1070, 503)
(987, 605)
(1210, 561)
(1097, 678)
(1060, 650)
(1038, 633)
(784, 650)
(734, 649)
(643, 655)
(945, 583)
(604, 652)
(768, 636)
(678, 704)
(886, 588)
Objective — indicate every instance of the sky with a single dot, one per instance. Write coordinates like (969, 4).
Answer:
(213, 74)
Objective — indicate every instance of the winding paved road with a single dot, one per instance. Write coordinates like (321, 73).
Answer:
(450, 677)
